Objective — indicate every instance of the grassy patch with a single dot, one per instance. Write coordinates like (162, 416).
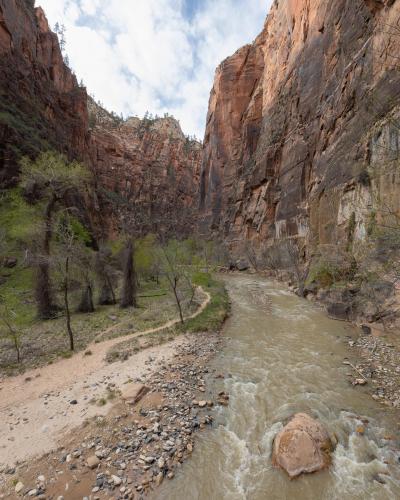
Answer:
(209, 320)
(46, 341)
(214, 315)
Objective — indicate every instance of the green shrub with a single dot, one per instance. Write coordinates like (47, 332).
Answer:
(214, 315)
(327, 273)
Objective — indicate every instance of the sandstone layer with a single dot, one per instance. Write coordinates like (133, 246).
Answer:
(41, 104)
(148, 164)
(301, 124)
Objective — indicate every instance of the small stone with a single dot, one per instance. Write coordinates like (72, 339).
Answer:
(359, 381)
(116, 480)
(202, 404)
(92, 462)
(73, 402)
(159, 478)
(32, 493)
(41, 479)
(19, 487)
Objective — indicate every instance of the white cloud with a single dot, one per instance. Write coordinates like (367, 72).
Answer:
(138, 55)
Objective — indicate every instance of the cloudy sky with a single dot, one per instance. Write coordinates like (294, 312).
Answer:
(154, 55)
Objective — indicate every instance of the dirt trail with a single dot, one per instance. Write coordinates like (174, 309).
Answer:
(35, 408)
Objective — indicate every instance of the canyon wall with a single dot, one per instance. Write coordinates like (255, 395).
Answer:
(303, 128)
(41, 104)
(147, 164)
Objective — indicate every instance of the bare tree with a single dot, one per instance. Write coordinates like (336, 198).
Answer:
(63, 260)
(9, 330)
(172, 270)
(128, 296)
(105, 273)
(300, 269)
(251, 255)
(84, 260)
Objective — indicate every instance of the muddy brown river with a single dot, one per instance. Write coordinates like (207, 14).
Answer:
(283, 355)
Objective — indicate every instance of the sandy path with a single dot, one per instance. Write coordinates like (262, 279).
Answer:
(35, 407)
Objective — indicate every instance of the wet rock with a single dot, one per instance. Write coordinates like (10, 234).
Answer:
(302, 446)
(339, 310)
(359, 381)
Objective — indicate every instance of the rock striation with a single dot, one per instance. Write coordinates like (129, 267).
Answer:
(299, 125)
(41, 104)
(147, 163)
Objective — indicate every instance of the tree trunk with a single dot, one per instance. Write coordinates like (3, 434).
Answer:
(128, 298)
(178, 302)
(86, 304)
(66, 303)
(107, 296)
(17, 349)
(46, 307)
(111, 288)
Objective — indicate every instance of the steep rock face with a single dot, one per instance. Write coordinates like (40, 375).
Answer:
(148, 163)
(298, 120)
(41, 104)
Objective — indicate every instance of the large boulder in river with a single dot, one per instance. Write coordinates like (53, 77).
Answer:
(302, 446)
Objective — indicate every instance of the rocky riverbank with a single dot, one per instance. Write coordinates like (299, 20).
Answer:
(374, 348)
(377, 366)
(141, 442)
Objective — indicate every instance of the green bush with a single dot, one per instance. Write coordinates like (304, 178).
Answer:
(327, 272)
(214, 315)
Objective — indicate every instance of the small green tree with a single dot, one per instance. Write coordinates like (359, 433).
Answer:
(146, 258)
(53, 178)
(62, 260)
(174, 258)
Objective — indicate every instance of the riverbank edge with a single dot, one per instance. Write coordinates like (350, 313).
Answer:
(374, 353)
(202, 344)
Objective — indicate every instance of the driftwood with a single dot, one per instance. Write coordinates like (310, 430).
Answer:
(355, 369)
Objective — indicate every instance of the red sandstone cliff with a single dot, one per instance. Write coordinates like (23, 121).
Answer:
(299, 119)
(150, 163)
(41, 104)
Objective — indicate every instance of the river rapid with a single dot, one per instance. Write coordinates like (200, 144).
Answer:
(282, 356)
